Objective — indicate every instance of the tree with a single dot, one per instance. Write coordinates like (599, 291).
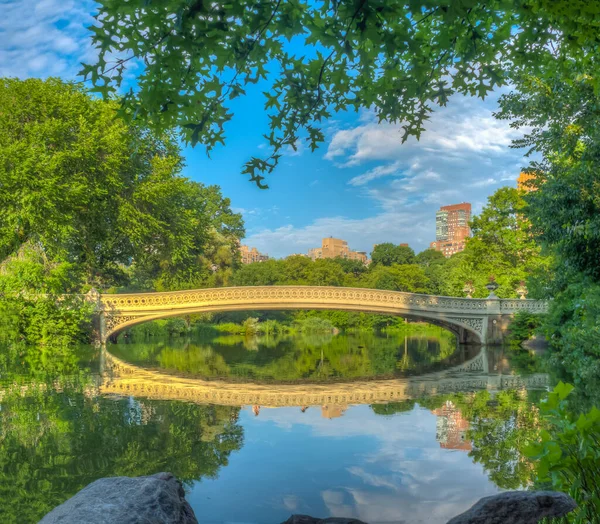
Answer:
(190, 58)
(501, 246)
(430, 257)
(103, 195)
(387, 254)
(559, 109)
(408, 277)
(435, 265)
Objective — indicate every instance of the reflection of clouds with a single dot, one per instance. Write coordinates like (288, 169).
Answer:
(291, 502)
(403, 475)
(334, 501)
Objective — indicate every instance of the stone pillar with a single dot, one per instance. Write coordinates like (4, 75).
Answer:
(497, 324)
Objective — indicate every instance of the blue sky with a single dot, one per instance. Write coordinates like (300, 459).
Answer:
(362, 185)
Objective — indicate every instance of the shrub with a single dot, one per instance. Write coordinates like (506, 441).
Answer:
(568, 454)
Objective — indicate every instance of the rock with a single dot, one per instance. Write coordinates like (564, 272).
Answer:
(305, 519)
(155, 499)
(517, 507)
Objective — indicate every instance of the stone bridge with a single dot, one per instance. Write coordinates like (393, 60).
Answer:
(481, 372)
(474, 321)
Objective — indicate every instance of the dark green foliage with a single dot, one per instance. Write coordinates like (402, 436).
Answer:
(559, 108)
(573, 328)
(388, 254)
(523, 326)
(567, 455)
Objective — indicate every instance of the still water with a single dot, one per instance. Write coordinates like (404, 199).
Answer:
(405, 429)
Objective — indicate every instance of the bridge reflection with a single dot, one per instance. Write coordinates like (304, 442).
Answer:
(482, 372)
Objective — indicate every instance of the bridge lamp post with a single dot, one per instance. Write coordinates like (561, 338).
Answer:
(469, 288)
(522, 290)
(491, 286)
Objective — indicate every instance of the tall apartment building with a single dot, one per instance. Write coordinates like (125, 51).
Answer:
(452, 228)
(250, 255)
(524, 180)
(336, 247)
(451, 428)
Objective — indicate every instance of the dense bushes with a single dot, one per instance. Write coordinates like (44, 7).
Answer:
(567, 454)
(573, 328)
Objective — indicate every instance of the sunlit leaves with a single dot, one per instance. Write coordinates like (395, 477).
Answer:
(400, 58)
(103, 195)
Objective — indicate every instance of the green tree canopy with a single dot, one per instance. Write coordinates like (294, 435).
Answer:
(407, 277)
(430, 257)
(103, 195)
(501, 246)
(387, 254)
(560, 110)
(190, 58)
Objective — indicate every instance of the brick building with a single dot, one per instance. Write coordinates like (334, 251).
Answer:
(451, 428)
(452, 228)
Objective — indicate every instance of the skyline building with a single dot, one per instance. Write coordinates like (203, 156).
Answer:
(452, 228)
(523, 182)
(250, 255)
(451, 428)
(334, 248)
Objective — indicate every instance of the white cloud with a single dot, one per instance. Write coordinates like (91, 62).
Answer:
(463, 156)
(42, 38)
(465, 127)
(378, 172)
(403, 475)
(393, 226)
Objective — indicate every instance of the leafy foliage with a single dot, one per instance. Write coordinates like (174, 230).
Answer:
(560, 109)
(36, 301)
(501, 245)
(567, 455)
(523, 326)
(98, 193)
(573, 328)
(387, 254)
(191, 58)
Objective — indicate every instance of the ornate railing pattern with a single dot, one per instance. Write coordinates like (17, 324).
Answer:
(127, 309)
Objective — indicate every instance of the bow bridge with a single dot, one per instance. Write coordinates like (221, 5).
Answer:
(474, 321)
(482, 372)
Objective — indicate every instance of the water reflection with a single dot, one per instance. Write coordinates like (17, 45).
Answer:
(423, 457)
(316, 357)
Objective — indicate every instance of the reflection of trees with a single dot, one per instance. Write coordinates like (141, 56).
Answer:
(391, 408)
(54, 441)
(304, 356)
(500, 428)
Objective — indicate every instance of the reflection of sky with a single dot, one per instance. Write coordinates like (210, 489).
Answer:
(362, 465)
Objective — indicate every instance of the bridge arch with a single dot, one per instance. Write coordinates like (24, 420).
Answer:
(125, 379)
(471, 319)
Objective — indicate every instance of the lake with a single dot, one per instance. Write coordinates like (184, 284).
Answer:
(396, 428)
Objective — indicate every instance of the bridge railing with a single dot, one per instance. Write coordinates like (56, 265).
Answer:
(323, 294)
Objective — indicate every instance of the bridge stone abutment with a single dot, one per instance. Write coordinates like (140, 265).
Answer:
(474, 321)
